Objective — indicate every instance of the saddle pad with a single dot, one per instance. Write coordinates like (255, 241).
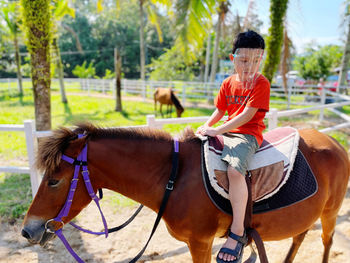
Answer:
(279, 145)
(301, 185)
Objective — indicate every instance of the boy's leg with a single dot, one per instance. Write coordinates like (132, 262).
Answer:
(238, 195)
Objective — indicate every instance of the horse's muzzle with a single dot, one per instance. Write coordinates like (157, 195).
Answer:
(34, 232)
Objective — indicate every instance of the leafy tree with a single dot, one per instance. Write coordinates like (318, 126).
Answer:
(100, 33)
(9, 12)
(171, 66)
(147, 10)
(278, 9)
(37, 21)
(318, 63)
(109, 74)
(84, 72)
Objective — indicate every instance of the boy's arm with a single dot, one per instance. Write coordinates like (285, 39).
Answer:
(236, 122)
(214, 118)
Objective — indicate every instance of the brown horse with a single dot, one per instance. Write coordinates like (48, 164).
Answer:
(190, 215)
(167, 97)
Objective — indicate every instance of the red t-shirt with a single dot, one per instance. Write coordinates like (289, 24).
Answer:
(233, 98)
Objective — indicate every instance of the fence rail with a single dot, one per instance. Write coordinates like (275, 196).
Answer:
(186, 90)
(146, 89)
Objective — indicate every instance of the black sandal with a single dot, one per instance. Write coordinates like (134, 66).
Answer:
(237, 252)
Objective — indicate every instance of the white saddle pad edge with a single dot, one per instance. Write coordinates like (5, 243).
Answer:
(222, 166)
(290, 168)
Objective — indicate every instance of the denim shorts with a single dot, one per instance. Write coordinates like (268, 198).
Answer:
(238, 149)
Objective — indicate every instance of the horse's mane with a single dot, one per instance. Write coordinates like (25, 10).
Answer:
(176, 101)
(50, 148)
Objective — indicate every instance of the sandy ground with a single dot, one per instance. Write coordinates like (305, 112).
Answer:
(122, 246)
(125, 244)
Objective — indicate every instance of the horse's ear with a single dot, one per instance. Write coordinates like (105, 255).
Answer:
(75, 147)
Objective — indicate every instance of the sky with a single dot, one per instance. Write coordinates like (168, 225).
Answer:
(309, 21)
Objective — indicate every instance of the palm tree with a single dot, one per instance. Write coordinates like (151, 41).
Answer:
(60, 9)
(222, 11)
(147, 8)
(10, 14)
(278, 9)
(285, 59)
(37, 22)
(346, 55)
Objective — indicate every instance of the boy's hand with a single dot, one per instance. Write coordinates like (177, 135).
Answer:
(206, 130)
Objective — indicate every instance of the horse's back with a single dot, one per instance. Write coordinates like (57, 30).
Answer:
(323, 152)
(163, 95)
(329, 162)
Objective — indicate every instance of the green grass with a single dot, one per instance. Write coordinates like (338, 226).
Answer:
(100, 111)
(15, 195)
(15, 192)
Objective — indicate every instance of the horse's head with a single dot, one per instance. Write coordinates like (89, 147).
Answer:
(54, 187)
(179, 111)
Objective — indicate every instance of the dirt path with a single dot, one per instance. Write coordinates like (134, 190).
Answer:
(124, 245)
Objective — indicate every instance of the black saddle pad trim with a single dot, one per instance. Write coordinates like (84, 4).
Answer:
(301, 185)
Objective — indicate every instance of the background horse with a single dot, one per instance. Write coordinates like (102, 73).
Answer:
(190, 216)
(166, 96)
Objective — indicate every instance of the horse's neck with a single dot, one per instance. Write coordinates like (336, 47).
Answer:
(138, 169)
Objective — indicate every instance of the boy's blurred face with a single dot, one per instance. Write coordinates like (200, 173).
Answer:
(246, 62)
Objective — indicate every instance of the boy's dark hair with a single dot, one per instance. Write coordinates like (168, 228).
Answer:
(248, 39)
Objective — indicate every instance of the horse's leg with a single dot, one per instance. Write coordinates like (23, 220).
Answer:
(200, 250)
(297, 240)
(160, 109)
(328, 221)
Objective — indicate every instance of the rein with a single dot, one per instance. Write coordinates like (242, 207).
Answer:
(81, 161)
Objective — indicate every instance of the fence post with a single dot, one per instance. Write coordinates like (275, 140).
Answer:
(183, 93)
(289, 95)
(144, 90)
(35, 179)
(272, 119)
(151, 122)
(9, 85)
(323, 101)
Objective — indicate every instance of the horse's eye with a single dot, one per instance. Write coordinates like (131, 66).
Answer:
(53, 182)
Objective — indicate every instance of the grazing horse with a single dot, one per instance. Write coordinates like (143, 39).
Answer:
(136, 162)
(167, 97)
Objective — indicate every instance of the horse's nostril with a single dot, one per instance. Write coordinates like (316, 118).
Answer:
(26, 234)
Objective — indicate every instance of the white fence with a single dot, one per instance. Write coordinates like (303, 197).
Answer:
(31, 134)
(186, 91)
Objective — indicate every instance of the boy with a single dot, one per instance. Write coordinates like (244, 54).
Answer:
(245, 96)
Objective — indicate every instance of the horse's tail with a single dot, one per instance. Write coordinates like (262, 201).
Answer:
(155, 99)
(176, 102)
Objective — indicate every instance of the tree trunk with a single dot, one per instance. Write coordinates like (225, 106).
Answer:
(207, 58)
(216, 50)
(342, 79)
(214, 64)
(284, 65)
(278, 9)
(118, 66)
(37, 23)
(142, 40)
(18, 63)
(59, 70)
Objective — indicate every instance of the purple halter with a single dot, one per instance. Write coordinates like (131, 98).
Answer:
(80, 161)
